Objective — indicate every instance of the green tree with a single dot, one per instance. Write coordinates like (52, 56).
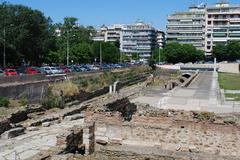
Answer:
(175, 52)
(233, 50)
(229, 51)
(28, 34)
(158, 55)
(135, 56)
(82, 53)
(110, 53)
(220, 52)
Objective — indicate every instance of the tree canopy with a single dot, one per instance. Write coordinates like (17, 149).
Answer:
(175, 52)
(28, 34)
(228, 52)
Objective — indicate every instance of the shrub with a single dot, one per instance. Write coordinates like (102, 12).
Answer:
(4, 102)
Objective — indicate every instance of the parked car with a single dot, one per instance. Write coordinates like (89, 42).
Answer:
(65, 69)
(11, 72)
(31, 71)
(39, 70)
(54, 70)
(47, 70)
(60, 71)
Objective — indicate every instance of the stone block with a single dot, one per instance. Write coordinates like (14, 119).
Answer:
(13, 133)
(46, 124)
(32, 129)
(101, 129)
(74, 117)
(101, 142)
(97, 133)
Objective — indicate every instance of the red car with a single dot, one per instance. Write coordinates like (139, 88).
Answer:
(65, 69)
(10, 72)
(32, 71)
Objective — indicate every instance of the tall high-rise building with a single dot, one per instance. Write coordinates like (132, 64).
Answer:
(188, 27)
(222, 23)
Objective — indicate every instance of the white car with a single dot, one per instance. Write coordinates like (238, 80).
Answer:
(47, 70)
(54, 70)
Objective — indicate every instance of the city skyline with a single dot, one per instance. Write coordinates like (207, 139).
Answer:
(106, 12)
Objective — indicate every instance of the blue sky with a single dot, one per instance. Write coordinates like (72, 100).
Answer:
(98, 12)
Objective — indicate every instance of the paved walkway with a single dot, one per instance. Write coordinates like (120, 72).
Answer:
(31, 143)
(203, 94)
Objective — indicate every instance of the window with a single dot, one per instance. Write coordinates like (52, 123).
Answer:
(208, 47)
(232, 16)
(209, 35)
(209, 42)
(210, 16)
(209, 22)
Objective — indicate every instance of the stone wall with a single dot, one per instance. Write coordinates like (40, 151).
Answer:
(33, 92)
(169, 135)
(229, 67)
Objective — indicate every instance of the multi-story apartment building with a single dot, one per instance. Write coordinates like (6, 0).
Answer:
(188, 27)
(160, 39)
(222, 24)
(204, 26)
(109, 34)
(138, 38)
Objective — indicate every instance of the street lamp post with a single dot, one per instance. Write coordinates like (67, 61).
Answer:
(4, 47)
(159, 56)
(100, 56)
(67, 48)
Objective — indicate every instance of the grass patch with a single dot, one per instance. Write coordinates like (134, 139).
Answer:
(228, 81)
(67, 87)
(234, 97)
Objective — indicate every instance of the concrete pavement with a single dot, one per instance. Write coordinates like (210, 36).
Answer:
(203, 94)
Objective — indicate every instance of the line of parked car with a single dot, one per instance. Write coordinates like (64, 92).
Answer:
(14, 71)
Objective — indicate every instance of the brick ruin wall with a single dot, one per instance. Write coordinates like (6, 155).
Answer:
(167, 134)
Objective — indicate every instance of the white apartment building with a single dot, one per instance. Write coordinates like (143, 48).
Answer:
(140, 38)
(109, 33)
(188, 27)
(222, 24)
(204, 26)
(160, 39)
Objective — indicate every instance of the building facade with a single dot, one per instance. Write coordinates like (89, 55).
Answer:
(139, 38)
(109, 33)
(188, 27)
(160, 39)
(222, 24)
(205, 26)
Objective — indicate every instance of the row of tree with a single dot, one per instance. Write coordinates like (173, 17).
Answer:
(175, 52)
(27, 36)
(227, 52)
(81, 48)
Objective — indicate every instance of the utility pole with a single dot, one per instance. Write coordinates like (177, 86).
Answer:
(67, 48)
(100, 56)
(4, 47)
(159, 56)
